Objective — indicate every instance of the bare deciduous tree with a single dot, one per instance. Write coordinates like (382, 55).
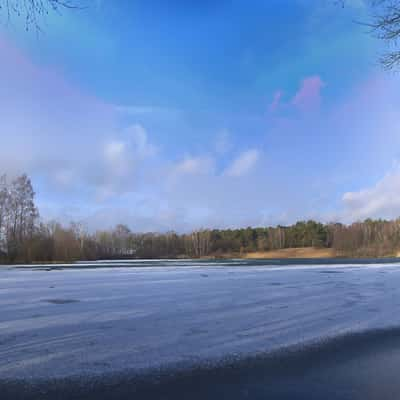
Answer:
(198, 243)
(4, 210)
(18, 215)
(22, 213)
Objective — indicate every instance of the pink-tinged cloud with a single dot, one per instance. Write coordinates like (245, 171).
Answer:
(276, 101)
(308, 97)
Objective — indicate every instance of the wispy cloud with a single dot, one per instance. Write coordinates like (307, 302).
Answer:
(243, 164)
(276, 102)
(194, 166)
(138, 110)
(308, 97)
(381, 200)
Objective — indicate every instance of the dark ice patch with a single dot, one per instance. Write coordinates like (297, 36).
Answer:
(60, 301)
(330, 272)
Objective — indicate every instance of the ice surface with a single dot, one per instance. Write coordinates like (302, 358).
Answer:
(88, 321)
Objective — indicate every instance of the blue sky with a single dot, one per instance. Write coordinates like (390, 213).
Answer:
(180, 114)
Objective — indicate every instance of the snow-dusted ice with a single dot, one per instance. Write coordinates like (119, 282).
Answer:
(124, 316)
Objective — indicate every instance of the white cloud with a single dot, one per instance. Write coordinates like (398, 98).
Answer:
(243, 164)
(142, 147)
(379, 201)
(123, 158)
(114, 150)
(117, 163)
(133, 143)
(194, 166)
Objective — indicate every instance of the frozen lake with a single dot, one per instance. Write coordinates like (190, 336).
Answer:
(99, 319)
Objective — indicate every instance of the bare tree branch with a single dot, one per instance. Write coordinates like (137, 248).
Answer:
(33, 11)
(384, 24)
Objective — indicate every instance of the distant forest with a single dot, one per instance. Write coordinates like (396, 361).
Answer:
(25, 238)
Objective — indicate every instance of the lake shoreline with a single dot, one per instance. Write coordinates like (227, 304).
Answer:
(294, 254)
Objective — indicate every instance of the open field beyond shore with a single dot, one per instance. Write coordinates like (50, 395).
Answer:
(298, 252)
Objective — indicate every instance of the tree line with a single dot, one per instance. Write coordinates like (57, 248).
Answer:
(24, 237)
